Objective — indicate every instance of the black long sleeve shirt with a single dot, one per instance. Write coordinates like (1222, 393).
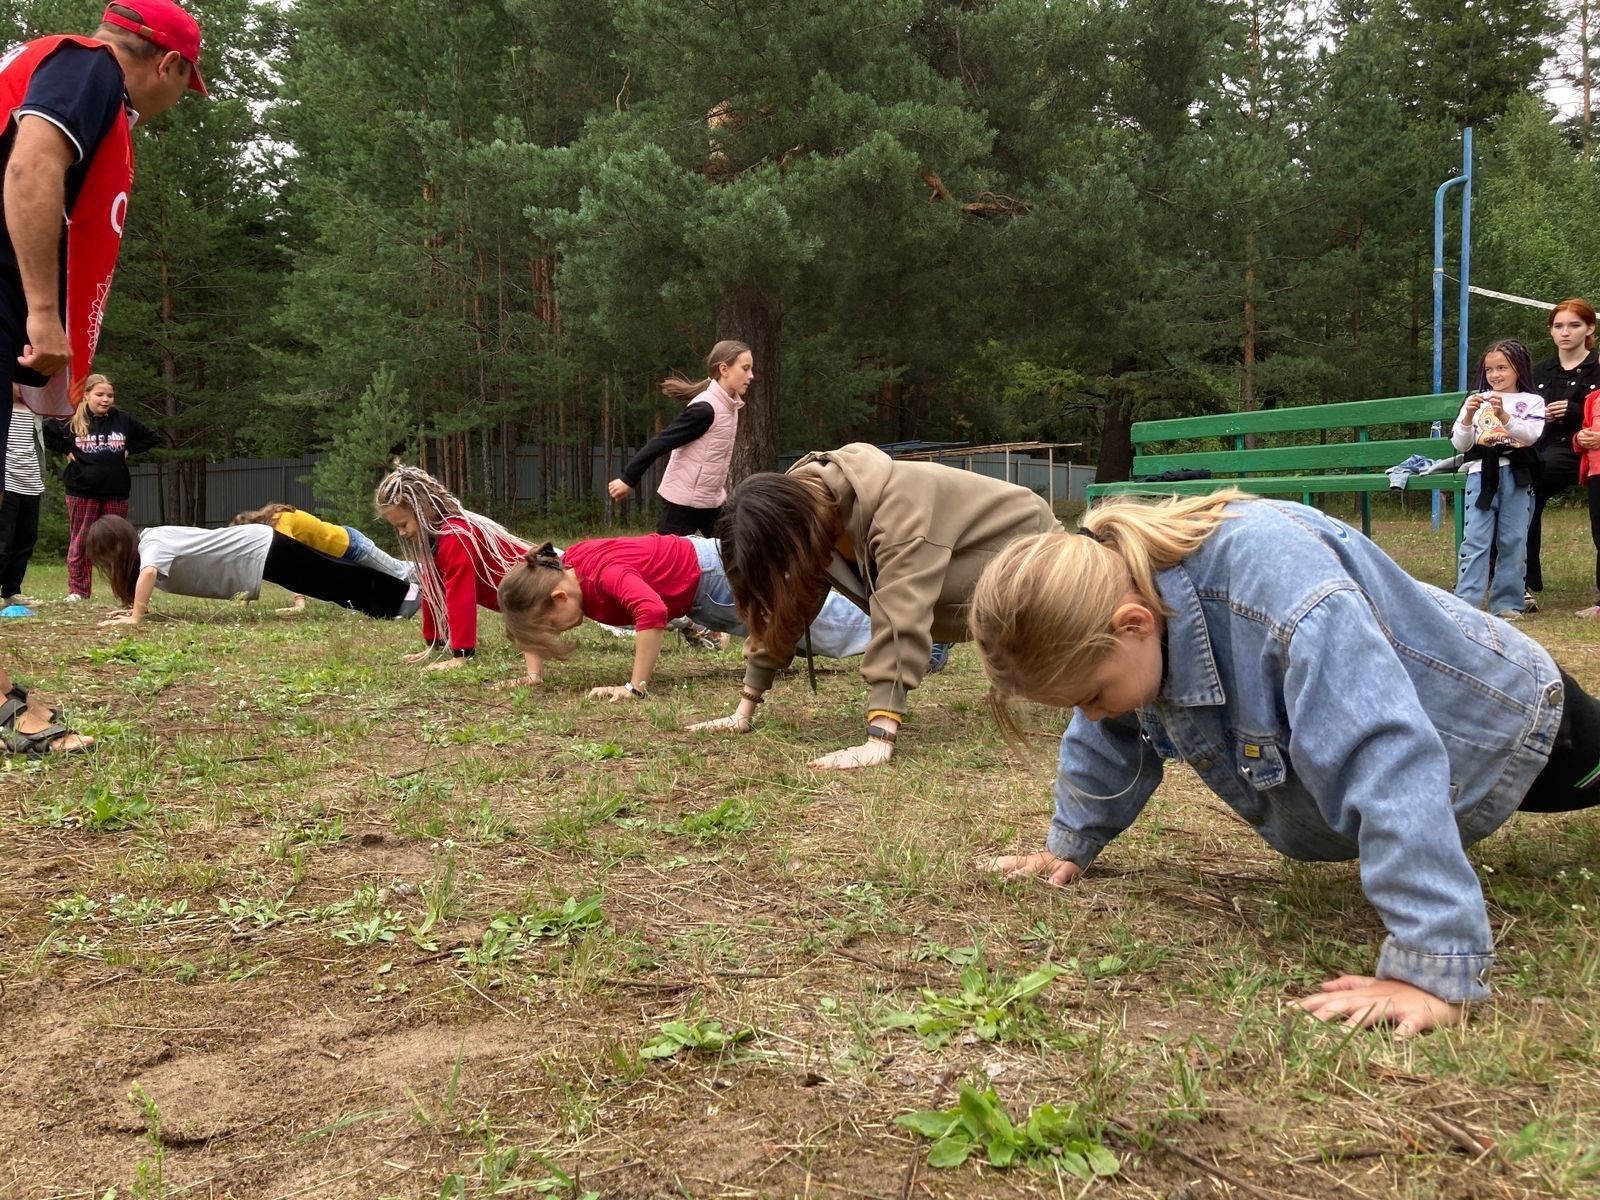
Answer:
(1555, 382)
(690, 424)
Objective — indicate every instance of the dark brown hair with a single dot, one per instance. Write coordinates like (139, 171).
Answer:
(267, 514)
(113, 547)
(778, 534)
(723, 354)
(524, 595)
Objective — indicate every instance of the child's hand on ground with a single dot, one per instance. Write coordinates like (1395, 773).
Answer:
(1042, 864)
(1364, 1002)
(869, 754)
(735, 723)
(121, 618)
(519, 681)
(614, 694)
(418, 656)
(446, 664)
(299, 605)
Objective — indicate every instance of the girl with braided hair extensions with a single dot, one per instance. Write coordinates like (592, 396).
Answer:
(461, 557)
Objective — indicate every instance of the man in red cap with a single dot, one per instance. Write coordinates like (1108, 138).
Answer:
(67, 109)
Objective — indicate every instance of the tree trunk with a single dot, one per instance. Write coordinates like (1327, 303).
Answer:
(169, 384)
(1115, 462)
(752, 317)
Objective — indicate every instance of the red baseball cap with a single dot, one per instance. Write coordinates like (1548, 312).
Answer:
(166, 25)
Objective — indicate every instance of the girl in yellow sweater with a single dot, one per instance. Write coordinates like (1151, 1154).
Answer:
(344, 542)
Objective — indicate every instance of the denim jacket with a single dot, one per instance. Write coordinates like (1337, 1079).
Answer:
(1344, 710)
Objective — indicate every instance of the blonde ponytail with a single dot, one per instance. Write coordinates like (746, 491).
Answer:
(1041, 613)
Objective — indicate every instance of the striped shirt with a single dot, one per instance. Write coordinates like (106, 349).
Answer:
(24, 451)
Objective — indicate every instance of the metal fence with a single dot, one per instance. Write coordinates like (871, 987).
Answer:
(236, 484)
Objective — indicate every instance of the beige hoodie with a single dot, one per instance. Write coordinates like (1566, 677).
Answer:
(922, 533)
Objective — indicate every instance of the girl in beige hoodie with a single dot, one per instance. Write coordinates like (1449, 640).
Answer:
(905, 540)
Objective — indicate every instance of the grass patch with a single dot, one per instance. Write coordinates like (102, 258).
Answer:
(341, 921)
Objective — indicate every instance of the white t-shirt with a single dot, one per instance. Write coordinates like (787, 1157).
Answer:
(218, 564)
(1524, 422)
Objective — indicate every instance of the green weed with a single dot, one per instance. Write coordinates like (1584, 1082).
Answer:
(1049, 1137)
(675, 1037)
(993, 1008)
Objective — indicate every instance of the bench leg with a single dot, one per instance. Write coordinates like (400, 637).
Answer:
(1366, 514)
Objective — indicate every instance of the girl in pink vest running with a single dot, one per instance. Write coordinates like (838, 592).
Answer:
(701, 441)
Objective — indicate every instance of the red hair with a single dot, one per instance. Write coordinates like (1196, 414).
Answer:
(1580, 308)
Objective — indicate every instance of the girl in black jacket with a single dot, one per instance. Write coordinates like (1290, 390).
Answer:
(97, 442)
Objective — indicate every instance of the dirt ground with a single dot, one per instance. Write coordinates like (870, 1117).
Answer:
(296, 950)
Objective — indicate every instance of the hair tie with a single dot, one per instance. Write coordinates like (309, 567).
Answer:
(545, 556)
(1089, 533)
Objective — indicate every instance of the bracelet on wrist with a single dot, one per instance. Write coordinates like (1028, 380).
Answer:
(464, 652)
(634, 690)
(752, 695)
(882, 733)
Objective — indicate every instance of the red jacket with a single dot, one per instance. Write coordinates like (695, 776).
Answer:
(639, 581)
(470, 577)
(1588, 460)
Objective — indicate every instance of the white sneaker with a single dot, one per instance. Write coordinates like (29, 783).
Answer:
(73, 597)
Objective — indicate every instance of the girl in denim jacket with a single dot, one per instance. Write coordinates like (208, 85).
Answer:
(1339, 706)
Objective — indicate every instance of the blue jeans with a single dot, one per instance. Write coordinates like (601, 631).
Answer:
(839, 631)
(364, 553)
(1502, 528)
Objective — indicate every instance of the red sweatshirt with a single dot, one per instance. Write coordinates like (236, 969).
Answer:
(470, 578)
(1588, 460)
(639, 581)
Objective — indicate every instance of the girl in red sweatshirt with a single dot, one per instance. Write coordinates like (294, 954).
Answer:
(460, 555)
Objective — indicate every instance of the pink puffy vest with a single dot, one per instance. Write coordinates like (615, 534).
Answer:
(697, 474)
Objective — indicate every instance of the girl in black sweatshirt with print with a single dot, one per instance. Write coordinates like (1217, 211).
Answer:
(97, 442)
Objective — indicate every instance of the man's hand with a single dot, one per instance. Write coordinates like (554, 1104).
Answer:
(47, 350)
(1041, 864)
(1363, 1002)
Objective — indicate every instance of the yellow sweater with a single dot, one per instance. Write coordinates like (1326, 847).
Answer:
(330, 539)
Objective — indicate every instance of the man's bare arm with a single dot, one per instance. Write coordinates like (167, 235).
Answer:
(36, 191)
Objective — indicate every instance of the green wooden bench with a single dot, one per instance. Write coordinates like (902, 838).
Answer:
(1347, 459)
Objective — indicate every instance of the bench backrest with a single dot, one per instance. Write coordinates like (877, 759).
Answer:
(1358, 419)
